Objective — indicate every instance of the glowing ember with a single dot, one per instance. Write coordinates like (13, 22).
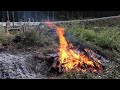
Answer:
(70, 58)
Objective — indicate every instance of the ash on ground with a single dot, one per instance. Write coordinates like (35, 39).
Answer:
(17, 67)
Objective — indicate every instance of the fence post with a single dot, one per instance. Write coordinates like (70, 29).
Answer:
(7, 26)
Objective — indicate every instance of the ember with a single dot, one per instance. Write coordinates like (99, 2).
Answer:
(70, 59)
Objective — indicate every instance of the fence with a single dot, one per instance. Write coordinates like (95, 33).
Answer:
(104, 21)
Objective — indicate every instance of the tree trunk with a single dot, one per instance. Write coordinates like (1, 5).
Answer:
(13, 18)
(7, 15)
(53, 16)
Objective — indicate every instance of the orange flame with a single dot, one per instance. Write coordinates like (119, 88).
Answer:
(68, 56)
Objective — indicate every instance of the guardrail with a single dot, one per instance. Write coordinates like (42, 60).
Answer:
(71, 21)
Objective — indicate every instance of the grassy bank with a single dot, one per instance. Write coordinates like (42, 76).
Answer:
(103, 40)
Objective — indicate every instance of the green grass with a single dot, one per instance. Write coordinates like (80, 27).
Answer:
(104, 75)
(105, 39)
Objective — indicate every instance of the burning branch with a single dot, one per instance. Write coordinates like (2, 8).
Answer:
(70, 59)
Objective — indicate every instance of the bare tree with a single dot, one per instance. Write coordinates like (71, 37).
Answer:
(18, 16)
(53, 16)
(7, 15)
(24, 15)
(36, 16)
(48, 16)
(13, 18)
(67, 15)
(3, 17)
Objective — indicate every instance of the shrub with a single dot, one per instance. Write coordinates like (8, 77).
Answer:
(108, 39)
(4, 37)
(83, 34)
(33, 37)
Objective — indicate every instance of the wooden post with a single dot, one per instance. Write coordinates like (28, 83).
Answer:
(33, 21)
(37, 18)
(7, 26)
(29, 20)
(7, 23)
(23, 27)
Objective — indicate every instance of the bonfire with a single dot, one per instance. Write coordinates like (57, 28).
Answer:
(70, 59)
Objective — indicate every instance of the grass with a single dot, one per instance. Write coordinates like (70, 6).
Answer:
(108, 38)
(30, 40)
(101, 38)
(4, 37)
(104, 40)
(29, 37)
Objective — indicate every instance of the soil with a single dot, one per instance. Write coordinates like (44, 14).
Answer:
(15, 64)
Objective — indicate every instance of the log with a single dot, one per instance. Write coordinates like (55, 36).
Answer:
(57, 67)
(95, 57)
